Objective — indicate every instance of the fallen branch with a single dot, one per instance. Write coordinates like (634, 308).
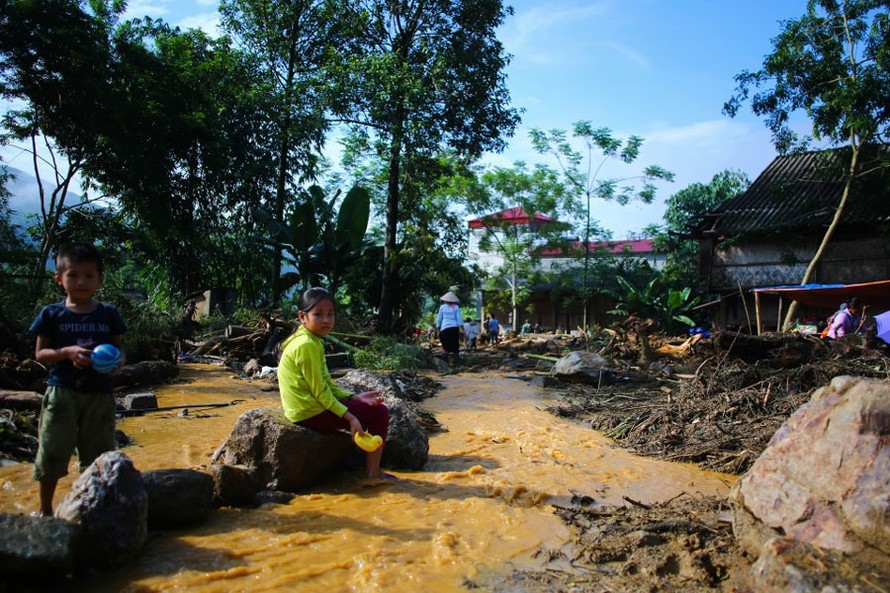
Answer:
(342, 344)
(539, 357)
(139, 412)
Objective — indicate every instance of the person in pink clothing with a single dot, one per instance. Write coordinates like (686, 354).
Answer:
(846, 321)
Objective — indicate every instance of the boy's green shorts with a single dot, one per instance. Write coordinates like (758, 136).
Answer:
(69, 420)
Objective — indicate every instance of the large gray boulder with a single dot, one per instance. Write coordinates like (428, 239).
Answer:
(407, 444)
(109, 504)
(266, 451)
(582, 367)
(177, 497)
(280, 454)
(35, 549)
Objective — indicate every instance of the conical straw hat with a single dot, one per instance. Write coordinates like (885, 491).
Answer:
(450, 297)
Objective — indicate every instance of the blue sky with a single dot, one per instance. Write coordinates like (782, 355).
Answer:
(660, 69)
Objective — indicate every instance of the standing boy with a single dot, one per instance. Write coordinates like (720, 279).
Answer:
(78, 408)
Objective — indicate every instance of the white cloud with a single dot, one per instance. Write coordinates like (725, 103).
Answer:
(627, 52)
(140, 8)
(206, 21)
(527, 33)
(542, 18)
(709, 132)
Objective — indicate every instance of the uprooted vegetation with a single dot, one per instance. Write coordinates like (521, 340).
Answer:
(720, 406)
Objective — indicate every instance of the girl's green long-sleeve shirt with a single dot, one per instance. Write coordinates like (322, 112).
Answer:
(304, 380)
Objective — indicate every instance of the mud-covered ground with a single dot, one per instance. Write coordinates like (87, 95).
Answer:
(685, 544)
(716, 404)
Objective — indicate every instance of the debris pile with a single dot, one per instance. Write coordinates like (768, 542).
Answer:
(720, 409)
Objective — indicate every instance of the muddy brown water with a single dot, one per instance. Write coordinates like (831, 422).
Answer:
(480, 509)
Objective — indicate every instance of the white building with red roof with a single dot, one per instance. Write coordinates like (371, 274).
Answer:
(560, 257)
(490, 261)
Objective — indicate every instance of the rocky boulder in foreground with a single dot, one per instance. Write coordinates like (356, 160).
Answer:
(280, 454)
(266, 451)
(824, 479)
(109, 504)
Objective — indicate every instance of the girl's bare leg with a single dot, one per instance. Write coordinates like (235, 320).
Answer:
(372, 463)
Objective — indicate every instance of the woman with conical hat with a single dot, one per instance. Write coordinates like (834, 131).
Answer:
(449, 323)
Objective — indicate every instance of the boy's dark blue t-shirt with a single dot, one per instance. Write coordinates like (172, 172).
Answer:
(66, 328)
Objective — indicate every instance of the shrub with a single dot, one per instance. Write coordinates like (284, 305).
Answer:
(386, 354)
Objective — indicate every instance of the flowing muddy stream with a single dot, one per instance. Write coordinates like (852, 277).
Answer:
(480, 509)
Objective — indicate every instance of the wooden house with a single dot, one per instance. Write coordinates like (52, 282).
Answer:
(767, 236)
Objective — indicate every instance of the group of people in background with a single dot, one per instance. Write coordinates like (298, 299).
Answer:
(450, 324)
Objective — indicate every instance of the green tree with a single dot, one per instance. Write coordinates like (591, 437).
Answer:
(684, 211)
(323, 242)
(163, 123)
(291, 44)
(432, 238)
(430, 76)
(582, 173)
(833, 64)
(534, 191)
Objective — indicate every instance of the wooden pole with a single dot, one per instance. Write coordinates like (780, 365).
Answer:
(779, 317)
(757, 311)
(745, 304)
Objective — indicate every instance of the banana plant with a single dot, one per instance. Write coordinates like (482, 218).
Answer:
(319, 241)
(666, 307)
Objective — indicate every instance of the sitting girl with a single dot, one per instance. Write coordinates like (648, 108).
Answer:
(309, 396)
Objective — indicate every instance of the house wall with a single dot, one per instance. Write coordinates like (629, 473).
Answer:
(769, 263)
(744, 265)
(553, 316)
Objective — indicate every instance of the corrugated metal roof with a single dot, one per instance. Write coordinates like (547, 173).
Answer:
(801, 192)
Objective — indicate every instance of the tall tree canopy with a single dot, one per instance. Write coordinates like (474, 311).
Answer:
(291, 44)
(163, 122)
(685, 210)
(832, 64)
(430, 77)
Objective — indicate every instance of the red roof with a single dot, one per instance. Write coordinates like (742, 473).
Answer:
(514, 216)
(634, 246)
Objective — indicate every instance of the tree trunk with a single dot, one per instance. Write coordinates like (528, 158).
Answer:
(513, 286)
(389, 282)
(283, 164)
(851, 176)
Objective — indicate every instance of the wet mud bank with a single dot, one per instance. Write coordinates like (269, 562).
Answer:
(718, 407)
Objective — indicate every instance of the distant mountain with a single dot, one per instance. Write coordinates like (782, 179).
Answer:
(25, 195)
